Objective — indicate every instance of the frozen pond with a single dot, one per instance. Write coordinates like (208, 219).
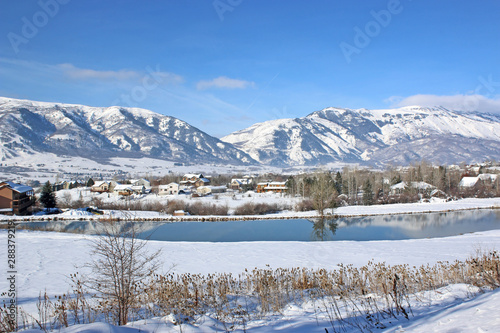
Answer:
(383, 227)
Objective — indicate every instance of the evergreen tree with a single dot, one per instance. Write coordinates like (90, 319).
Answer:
(338, 182)
(47, 196)
(367, 193)
(90, 182)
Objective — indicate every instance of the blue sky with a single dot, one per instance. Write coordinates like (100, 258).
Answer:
(223, 65)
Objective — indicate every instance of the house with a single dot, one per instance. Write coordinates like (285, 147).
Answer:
(276, 187)
(141, 182)
(15, 198)
(127, 189)
(468, 182)
(420, 187)
(100, 187)
(238, 184)
(169, 189)
(203, 190)
(207, 190)
(195, 180)
(123, 189)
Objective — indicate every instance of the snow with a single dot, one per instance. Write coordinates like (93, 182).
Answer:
(45, 260)
(20, 188)
(43, 265)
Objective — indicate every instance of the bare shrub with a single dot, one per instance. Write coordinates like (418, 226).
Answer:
(251, 208)
(174, 205)
(304, 206)
(119, 265)
(206, 209)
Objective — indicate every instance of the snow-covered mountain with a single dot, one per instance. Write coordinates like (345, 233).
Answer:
(397, 136)
(100, 133)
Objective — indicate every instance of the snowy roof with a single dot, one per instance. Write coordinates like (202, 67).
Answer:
(488, 176)
(417, 185)
(468, 181)
(20, 188)
(121, 187)
(193, 175)
(168, 185)
(99, 183)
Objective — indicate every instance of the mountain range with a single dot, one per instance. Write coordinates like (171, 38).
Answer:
(105, 132)
(371, 137)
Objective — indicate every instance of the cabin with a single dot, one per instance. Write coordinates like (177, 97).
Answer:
(16, 199)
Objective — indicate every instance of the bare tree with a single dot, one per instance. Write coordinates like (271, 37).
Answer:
(323, 192)
(120, 262)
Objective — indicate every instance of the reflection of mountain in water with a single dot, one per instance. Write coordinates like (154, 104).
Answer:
(428, 224)
(383, 227)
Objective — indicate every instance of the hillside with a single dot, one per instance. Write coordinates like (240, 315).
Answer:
(397, 136)
(101, 133)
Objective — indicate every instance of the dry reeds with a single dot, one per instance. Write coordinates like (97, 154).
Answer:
(358, 297)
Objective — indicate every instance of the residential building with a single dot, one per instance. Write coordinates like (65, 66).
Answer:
(277, 187)
(195, 180)
(238, 184)
(100, 187)
(128, 189)
(15, 198)
(420, 187)
(169, 189)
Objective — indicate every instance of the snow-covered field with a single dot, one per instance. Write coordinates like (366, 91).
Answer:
(45, 260)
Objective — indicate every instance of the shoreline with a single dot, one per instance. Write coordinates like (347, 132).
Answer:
(341, 212)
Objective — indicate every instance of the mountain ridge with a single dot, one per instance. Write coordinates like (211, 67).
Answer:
(373, 137)
(79, 130)
(331, 135)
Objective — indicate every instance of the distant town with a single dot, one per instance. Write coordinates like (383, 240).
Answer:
(318, 190)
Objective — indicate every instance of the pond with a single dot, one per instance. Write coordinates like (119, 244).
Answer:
(383, 227)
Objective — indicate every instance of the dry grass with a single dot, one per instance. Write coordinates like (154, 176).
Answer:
(348, 297)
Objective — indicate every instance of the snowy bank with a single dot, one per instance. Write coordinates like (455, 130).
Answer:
(434, 206)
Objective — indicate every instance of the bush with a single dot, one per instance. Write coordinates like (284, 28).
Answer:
(304, 206)
(206, 209)
(251, 208)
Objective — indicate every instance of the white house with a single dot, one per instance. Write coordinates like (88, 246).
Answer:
(138, 182)
(468, 182)
(127, 189)
(169, 189)
(100, 186)
(239, 183)
(421, 187)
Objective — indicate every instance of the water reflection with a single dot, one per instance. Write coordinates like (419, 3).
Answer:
(323, 229)
(383, 227)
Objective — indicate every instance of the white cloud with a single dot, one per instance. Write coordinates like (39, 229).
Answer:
(76, 73)
(225, 83)
(454, 102)
(85, 74)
